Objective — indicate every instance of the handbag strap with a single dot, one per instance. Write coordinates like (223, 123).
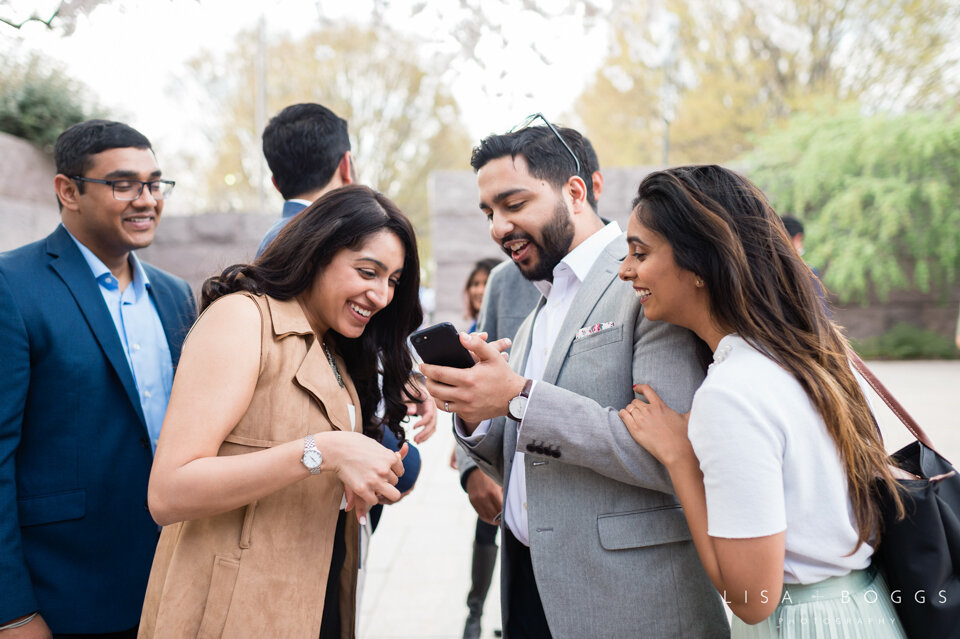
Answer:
(891, 401)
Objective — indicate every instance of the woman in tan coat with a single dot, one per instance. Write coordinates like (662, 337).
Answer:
(271, 434)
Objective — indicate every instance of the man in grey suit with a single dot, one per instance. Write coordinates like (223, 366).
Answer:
(595, 543)
(508, 298)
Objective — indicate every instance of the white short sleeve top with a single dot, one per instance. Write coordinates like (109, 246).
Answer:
(769, 465)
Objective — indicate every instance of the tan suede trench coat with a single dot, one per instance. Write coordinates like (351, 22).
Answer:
(261, 570)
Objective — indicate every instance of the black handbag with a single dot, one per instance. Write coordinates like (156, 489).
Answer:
(920, 554)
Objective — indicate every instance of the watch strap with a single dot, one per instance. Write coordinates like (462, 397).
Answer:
(527, 388)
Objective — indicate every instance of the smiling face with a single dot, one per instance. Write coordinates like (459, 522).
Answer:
(528, 218)
(355, 285)
(668, 293)
(111, 228)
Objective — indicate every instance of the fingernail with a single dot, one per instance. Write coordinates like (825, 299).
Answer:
(635, 387)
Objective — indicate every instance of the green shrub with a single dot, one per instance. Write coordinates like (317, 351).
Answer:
(878, 196)
(38, 102)
(905, 341)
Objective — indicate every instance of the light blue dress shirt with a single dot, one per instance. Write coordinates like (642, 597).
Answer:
(141, 335)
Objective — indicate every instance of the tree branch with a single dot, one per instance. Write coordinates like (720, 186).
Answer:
(34, 18)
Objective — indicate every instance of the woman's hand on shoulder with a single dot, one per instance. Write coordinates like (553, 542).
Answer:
(368, 470)
(661, 430)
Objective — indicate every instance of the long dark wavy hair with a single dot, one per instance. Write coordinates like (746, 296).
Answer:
(721, 227)
(343, 219)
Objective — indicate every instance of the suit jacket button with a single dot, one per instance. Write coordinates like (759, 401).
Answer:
(531, 448)
(539, 450)
(145, 443)
(556, 453)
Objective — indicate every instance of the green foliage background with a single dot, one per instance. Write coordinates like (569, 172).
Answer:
(905, 341)
(879, 196)
(38, 101)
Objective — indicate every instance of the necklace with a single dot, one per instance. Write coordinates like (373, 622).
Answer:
(333, 364)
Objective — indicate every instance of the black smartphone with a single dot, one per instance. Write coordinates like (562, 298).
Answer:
(440, 344)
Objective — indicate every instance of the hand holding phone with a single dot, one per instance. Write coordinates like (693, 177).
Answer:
(440, 345)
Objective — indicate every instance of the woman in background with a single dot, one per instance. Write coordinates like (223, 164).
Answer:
(271, 434)
(775, 463)
(474, 288)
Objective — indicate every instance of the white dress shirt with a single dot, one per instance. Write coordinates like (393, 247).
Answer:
(568, 275)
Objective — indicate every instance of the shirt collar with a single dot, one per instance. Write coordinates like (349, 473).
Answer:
(580, 260)
(105, 277)
(287, 317)
(293, 206)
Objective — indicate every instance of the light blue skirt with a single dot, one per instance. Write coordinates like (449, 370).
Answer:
(855, 606)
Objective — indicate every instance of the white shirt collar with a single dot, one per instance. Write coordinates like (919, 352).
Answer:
(580, 260)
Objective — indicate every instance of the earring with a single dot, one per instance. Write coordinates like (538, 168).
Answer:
(700, 282)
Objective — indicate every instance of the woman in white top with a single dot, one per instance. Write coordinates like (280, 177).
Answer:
(775, 462)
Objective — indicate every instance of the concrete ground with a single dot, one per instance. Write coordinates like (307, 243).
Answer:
(419, 563)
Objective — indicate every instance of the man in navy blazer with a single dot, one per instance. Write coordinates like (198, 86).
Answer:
(89, 338)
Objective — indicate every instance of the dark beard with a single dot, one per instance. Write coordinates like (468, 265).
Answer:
(555, 240)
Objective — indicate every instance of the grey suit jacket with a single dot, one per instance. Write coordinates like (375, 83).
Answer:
(609, 543)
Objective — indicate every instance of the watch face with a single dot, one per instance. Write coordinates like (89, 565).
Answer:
(312, 459)
(516, 407)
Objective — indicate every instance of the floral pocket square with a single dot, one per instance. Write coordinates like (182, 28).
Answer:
(590, 330)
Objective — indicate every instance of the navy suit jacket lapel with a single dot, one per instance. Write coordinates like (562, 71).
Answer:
(171, 316)
(68, 262)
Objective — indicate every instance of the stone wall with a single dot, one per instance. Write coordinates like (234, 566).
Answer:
(198, 246)
(906, 307)
(28, 206)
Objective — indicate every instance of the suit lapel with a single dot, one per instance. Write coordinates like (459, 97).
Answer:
(520, 349)
(601, 275)
(169, 315)
(68, 263)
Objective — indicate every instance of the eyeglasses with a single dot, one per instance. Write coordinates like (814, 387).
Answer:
(127, 190)
(530, 119)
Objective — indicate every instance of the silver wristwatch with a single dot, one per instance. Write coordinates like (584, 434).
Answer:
(312, 457)
(518, 405)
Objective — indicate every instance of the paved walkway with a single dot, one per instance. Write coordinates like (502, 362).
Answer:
(419, 566)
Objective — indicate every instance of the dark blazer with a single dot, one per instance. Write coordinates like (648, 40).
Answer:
(76, 538)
